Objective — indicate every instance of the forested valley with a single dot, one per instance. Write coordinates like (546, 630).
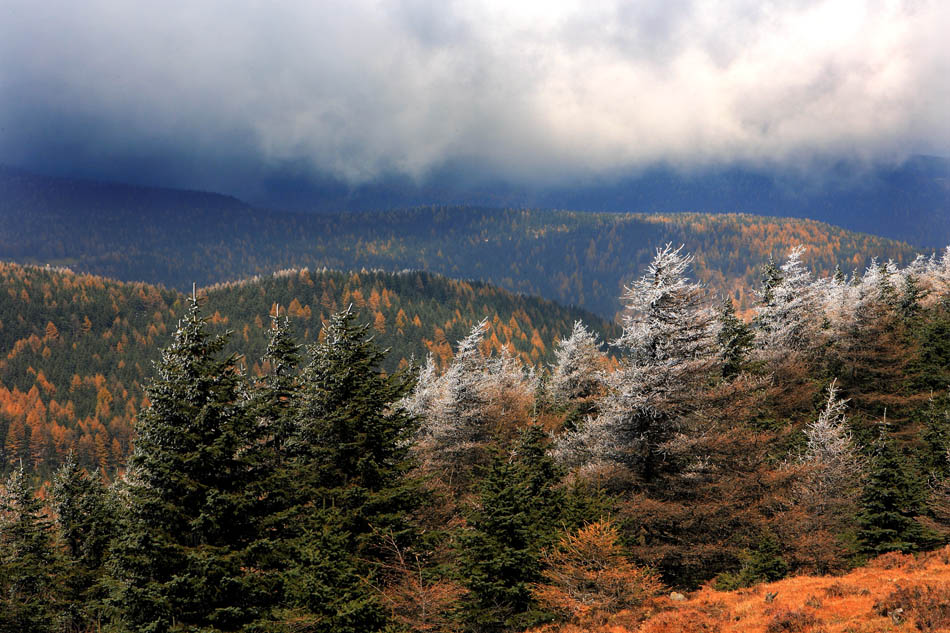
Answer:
(325, 487)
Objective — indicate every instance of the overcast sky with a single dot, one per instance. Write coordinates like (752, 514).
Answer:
(221, 94)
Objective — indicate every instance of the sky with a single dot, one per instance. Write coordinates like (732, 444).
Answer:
(229, 95)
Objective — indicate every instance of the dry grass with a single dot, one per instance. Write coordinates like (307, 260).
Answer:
(893, 594)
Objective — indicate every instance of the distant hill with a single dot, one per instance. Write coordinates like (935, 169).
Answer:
(176, 238)
(76, 349)
(909, 201)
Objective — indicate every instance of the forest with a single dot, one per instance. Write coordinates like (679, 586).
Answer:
(177, 238)
(479, 492)
(76, 349)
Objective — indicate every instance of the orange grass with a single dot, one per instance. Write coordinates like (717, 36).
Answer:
(893, 593)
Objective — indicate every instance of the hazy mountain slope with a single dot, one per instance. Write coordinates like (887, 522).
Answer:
(908, 201)
(571, 257)
(76, 349)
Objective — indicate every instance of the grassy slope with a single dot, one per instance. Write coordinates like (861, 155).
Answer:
(864, 601)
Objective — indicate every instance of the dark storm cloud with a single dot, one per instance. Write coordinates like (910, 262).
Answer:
(226, 94)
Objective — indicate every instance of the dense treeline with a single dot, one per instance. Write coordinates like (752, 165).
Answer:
(177, 238)
(482, 495)
(75, 349)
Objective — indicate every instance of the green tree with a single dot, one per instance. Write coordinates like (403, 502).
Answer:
(891, 502)
(351, 464)
(30, 568)
(181, 563)
(87, 520)
(352, 443)
(516, 516)
(735, 339)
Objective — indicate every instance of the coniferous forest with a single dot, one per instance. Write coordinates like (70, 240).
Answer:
(320, 487)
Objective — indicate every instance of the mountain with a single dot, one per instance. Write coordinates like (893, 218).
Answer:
(176, 238)
(76, 349)
(908, 201)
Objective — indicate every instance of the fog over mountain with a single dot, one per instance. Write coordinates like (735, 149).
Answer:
(272, 101)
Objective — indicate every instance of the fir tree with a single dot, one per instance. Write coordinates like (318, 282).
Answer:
(514, 519)
(30, 569)
(87, 518)
(182, 562)
(352, 444)
(351, 466)
(891, 502)
(735, 339)
(272, 406)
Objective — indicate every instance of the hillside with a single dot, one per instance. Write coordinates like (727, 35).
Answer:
(75, 349)
(574, 258)
(893, 593)
(708, 452)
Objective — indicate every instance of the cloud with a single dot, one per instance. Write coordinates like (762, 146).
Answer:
(219, 94)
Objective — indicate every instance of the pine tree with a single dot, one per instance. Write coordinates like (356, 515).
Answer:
(735, 339)
(182, 562)
(891, 502)
(31, 596)
(351, 465)
(87, 518)
(514, 519)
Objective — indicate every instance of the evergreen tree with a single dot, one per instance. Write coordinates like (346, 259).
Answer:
(30, 569)
(351, 465)
(87, 518)
(272, 406)
(352, 444)
(578, 370)
(514, 519)
(182, 562)
(326, 589)
(935, 438)
(891, 502)
(670, 352)
(735, 339)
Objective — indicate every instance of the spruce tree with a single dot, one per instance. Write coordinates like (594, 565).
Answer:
(735, 339)
(350, 462)
(516, 516)
(891, 502)
(182, 562)
(31, 596)
(87, 518)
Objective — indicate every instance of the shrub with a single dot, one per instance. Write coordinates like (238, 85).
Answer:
(588, 576)
(927, 605)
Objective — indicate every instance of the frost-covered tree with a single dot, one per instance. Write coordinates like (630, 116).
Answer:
(578, 369)
(451, 408)
(939, 274)
(666, 323)
(670, 349)
(787, 308)
(836, 466)
(477, 400)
